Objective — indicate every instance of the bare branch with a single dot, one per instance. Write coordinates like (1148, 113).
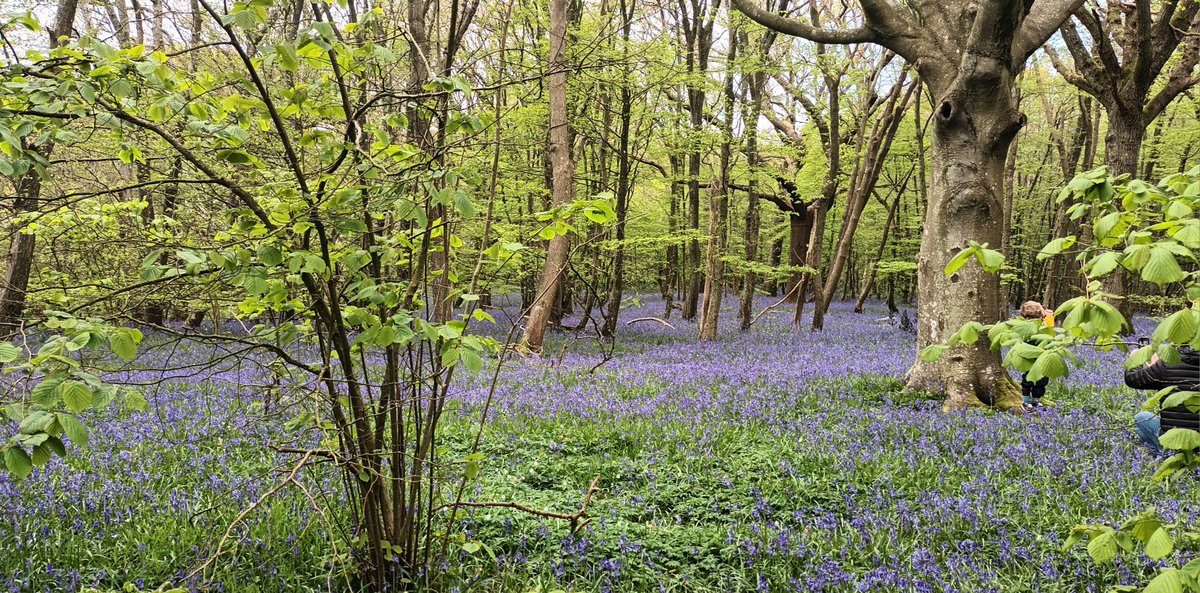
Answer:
(799, 28)
(1043, 19)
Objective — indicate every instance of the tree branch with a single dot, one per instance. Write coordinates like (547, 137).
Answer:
(799, 28)
(1043, 19)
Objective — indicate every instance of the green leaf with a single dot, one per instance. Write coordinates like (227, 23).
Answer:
(471, 547)
(1160, 544)
(122, 345)
(237, 157)
(14, 411)
(1190, 399)
(76, 396)
(1169, 466)
(73, 428)
(1103, 547)
(990, 259)
(1105, 225)
(313, 264)
(41, 455)
(8, 352)
(287, 56)
(1170, 580)
(1056, 247)
(1161, 267)
(1074, 538)
(1104, 263)
(1180, 439)
(959, 260)
(464, 205)
(17, 462)
(269, 255)
(35, 422)
(1048, 364)
(1177, 328)
(1105, 318)
(56, 446)
(933, 352)
(136, 402)
(471, 360)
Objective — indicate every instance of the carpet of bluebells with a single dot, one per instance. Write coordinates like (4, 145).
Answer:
(772, 460)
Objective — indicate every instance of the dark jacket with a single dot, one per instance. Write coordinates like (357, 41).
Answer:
(1185, 376)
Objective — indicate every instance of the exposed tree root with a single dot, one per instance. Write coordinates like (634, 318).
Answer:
(990, 387)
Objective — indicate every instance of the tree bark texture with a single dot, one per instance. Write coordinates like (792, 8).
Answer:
(562, 182)
(19, 263)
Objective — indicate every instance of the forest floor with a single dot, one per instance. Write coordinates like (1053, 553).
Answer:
(772, 460)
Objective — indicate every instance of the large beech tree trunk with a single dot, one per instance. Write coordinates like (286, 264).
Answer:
(973, 125)
(562, 180)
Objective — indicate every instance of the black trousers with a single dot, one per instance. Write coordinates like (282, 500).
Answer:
(1036, 389)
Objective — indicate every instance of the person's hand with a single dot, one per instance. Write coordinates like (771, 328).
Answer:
(1153, 360)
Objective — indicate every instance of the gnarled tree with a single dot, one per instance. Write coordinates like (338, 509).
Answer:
(968, 54)
(1125, 63)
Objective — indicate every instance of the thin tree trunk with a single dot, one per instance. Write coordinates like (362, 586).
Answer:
(623, 178)
(866, 176)
(671, 274)
(718, 213)
(753, 217)
(872, 266)
(563, 182)
(19, 263)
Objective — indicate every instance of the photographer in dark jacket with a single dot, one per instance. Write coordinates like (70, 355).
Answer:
(1156, 374)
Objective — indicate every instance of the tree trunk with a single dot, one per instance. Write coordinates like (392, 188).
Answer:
(718, 214)
(671, 274)
(773, 260)
(562, 183)
(751, 237)
(19, 264)
(623, 181)
(872, 266)
(799, 229)
(1122, 145)
(974, 123)
(816, 236)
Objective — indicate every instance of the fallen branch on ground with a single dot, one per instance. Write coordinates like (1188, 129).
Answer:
(633, 321)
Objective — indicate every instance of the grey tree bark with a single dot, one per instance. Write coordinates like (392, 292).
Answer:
(968, 54)
(562, 181)
(718, 212)
(1128, 49)
(624, 181)
(19, 263)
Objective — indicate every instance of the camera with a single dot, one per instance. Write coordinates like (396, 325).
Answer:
(1143, 341)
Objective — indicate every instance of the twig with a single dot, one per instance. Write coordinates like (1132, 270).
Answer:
(573, 518)
(776, 304)
(291, 478)
(633, 321)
